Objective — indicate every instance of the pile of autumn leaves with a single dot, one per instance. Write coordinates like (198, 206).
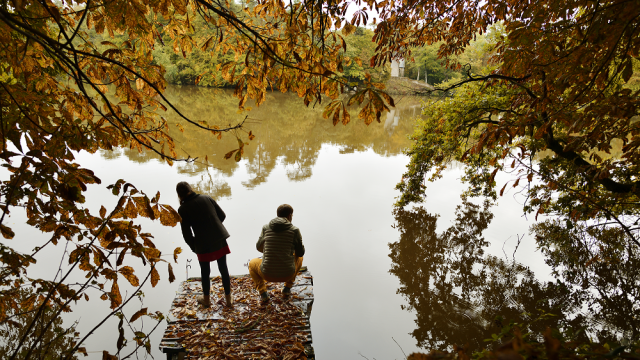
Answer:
(248, 330)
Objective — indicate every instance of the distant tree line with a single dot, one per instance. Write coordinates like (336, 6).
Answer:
(187, 68)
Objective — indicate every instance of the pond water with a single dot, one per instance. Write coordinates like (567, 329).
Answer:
(340, 181)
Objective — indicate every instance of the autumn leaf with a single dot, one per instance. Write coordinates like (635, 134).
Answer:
(6, 231)
(168, 216)
(172, 277)
(176, 251)
(85, 263)
(115, 188)
(348, 29)
(140, 334)
(229, 154)
(107, 356)
(155, 277)
(151, 253)
(387, 98)
(120, 341)
(138, 314)
(114, 295)
(128, 273)
(336, 116)
(143, 207)
(130, 210)
(121, 256)
(147, 240)
(346, 118)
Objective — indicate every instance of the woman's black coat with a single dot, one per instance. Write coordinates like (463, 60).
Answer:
(202, 215)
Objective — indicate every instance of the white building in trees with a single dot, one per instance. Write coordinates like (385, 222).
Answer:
(397, 68)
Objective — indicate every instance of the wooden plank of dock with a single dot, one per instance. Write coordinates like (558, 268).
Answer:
(249, 330)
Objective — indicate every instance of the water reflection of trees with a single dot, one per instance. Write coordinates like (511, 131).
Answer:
(461, 296)
(287, 133)
(212, 185)
(56, 341)
(599, 263)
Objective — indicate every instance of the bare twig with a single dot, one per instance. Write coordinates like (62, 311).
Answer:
(394, 340)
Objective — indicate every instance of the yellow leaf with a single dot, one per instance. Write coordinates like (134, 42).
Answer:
(348, 29)
(151, 253)
(128, 273)
(114, 295)
(108, 238)
(84, 262)
(155, 277)
(346, 118)
(138, 314)
(169, 217)
(336, 117)
(130, 210)
(177, 251)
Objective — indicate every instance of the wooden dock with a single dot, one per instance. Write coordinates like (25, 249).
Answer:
(279, 329)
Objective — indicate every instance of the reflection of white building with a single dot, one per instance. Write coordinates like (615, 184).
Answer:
(392, 121)
(397, 68)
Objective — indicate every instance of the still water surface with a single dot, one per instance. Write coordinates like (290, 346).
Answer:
(340, 181)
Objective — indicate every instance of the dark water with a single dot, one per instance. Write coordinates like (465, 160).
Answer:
(373, 299)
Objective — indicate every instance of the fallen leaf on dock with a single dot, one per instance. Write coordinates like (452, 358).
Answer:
(248, 330)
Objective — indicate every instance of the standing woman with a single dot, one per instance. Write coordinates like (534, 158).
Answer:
(203, 231)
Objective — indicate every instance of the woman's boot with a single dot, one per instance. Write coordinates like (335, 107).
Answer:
(205, 301)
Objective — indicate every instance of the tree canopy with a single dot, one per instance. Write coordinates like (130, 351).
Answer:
(555, 107)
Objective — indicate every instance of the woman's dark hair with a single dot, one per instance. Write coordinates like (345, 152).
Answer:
(183, 189)
(284, 210)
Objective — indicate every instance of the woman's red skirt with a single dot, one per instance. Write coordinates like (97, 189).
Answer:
(213, 256)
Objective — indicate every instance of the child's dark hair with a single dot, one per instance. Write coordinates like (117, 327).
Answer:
(285, 210)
